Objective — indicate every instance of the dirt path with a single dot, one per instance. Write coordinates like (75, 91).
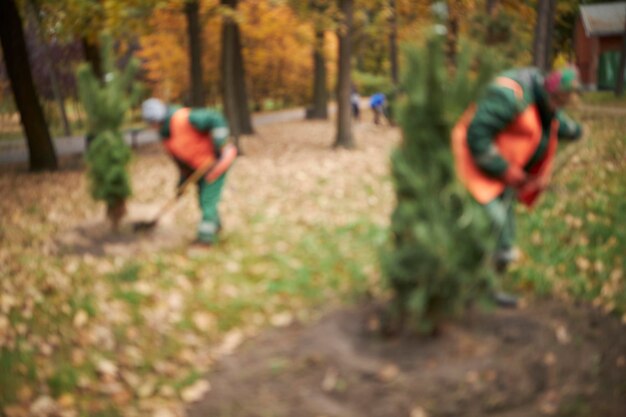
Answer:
(545, 360)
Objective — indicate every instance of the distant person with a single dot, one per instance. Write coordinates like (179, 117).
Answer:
(504, 147)
(378, 104)
(355, 101)
(194, 137)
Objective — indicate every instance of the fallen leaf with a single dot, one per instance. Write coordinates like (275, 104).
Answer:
(195, 391)
(204, 321)
(549, 403)
(167, 391)
(106, 367)
(131, 379)
(549, 359)
(281, 319)
(163, 412)
(330, 379)
(562, 335)
(231, 341)
(44, 406)
(80, 318)
(122, 397)
(472, 377)
(66, 401)
(15, 411)
(388, 373)
(146, 389)
(583, 263)
(25, 394)
(418, 412)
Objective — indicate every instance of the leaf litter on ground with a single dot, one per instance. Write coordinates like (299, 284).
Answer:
(132, 318)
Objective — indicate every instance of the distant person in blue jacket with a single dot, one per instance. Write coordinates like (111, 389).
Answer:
(378, 103)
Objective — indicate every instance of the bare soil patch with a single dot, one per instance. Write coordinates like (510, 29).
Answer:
(546, 359)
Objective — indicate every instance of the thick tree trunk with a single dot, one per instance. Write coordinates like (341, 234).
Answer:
(233, 77)
(52, 74)
(320, 93)
(245, 119)
(542, 46)
(91, 50)
(619, 84)
(393, 41)
(228, 81)
(344, 111)
(41, 149)
(196, 96)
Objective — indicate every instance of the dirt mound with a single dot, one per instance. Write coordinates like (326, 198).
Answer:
(547, 359)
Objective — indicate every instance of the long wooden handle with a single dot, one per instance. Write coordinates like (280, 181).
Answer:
(195, 176)
(201, 171)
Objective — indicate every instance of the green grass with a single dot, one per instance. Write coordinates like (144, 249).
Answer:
(604, 98)
(575, 240)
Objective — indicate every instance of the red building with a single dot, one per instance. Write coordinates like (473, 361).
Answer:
(597, 43)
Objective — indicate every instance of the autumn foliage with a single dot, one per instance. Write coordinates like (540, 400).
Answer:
(277, 51)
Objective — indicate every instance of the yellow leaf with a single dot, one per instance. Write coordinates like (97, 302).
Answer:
(196, 391)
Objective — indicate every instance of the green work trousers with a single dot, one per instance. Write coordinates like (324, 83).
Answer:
(501, 212)
(209, 197)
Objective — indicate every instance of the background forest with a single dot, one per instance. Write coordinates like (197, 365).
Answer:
(288, 48)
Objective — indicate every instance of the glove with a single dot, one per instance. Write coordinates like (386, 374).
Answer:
(535, 185)
(514, 176)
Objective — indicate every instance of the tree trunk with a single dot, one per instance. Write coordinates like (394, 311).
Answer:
(452, 34)
(228, 81)
(41, 149)
(344, 111)
(320, 93)
(393, 41)
(619, 84)
(233, 77)
(196, 96)
(491, 11)
(550, 34)
(542, 47)
(54, 82)
(245, 119)
(91, 50)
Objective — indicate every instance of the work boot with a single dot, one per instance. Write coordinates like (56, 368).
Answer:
(505, 300)
(503, 257)
(207, 232)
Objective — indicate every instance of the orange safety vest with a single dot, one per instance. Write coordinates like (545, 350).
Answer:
(186, 144)
(517, 144)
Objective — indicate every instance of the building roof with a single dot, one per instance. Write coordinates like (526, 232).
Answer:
(604, 19)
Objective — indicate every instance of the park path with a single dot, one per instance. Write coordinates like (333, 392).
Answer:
(16, 150)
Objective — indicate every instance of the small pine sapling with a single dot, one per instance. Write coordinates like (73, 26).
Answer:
(436, 265)
(106, 103)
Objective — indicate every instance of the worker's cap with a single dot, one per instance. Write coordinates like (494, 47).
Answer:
(563, 80)
(153, 110)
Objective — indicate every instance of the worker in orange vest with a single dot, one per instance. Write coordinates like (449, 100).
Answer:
(504, 145)
(195, 138)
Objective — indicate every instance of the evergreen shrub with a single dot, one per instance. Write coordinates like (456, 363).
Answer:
(436, 264)
(106, 103)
